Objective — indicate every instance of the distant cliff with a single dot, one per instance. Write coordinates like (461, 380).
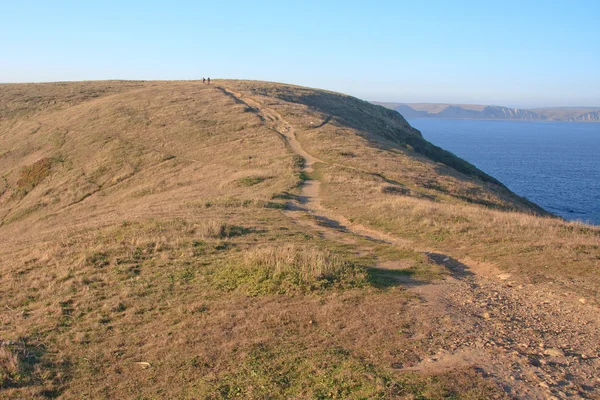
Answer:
(454, 111)
(592, 116)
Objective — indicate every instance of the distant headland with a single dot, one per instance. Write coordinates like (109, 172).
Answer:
(474, 111)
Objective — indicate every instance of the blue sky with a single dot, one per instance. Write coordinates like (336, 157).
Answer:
(516, 53)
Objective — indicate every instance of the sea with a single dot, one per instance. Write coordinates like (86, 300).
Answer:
(554, 164)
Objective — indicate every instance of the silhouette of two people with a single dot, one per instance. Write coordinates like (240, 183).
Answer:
(204, 80)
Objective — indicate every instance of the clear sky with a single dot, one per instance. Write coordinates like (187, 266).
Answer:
(515, 53)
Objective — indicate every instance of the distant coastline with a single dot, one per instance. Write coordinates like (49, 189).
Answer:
(486, 112)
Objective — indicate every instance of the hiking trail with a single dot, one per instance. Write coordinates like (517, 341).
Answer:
(535, 341)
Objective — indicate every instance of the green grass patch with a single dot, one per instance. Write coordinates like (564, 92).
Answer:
(97, 259)
(276, 205)
(293, 371)
(304, 176)
(251, 180)
(298, 161)
(288, 269)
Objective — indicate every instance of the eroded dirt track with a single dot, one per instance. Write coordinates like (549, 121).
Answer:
(533, 340)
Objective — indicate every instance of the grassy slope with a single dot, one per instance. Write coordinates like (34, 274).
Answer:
(370, 176)
(142, 222)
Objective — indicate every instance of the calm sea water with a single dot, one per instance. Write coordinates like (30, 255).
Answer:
(554, 164)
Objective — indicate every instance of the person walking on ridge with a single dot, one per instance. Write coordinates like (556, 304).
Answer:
(203, 80)
(209, 80)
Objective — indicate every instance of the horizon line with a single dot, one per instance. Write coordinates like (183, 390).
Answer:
(295, 84)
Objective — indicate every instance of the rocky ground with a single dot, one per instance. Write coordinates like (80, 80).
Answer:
(535, 342)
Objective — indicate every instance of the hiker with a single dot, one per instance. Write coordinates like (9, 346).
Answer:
(203, 80)
(209, 80)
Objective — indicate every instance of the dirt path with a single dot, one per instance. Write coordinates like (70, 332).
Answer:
(536, 342)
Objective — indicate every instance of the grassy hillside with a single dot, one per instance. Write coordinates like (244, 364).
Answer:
(157, 241)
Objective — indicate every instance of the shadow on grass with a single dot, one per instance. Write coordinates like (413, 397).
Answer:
(25, 363)
(285, 196)
(375, 123)
(386, 278)
(455, 267)
(330, 223)
(235, 231)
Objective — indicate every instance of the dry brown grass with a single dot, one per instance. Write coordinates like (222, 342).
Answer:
(538, 248)
(212, 229)
(134, 151)
(386, 185)
(144, 242)
(289, 269)
(10, 366)
(309, 263)
(381, 144)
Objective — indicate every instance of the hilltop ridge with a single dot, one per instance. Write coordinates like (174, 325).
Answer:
(110, 122)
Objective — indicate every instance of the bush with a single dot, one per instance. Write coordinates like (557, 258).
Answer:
(298, 162)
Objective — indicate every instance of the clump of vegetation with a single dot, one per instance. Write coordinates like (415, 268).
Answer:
(19, 363)
(227, 202)
(397, 190)
(33, 175)
(97, 259)
(289, 269)
(213, 229)
(274, 204)
(11, 367)
(304, 176)
(251, 180)
(298, 161)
